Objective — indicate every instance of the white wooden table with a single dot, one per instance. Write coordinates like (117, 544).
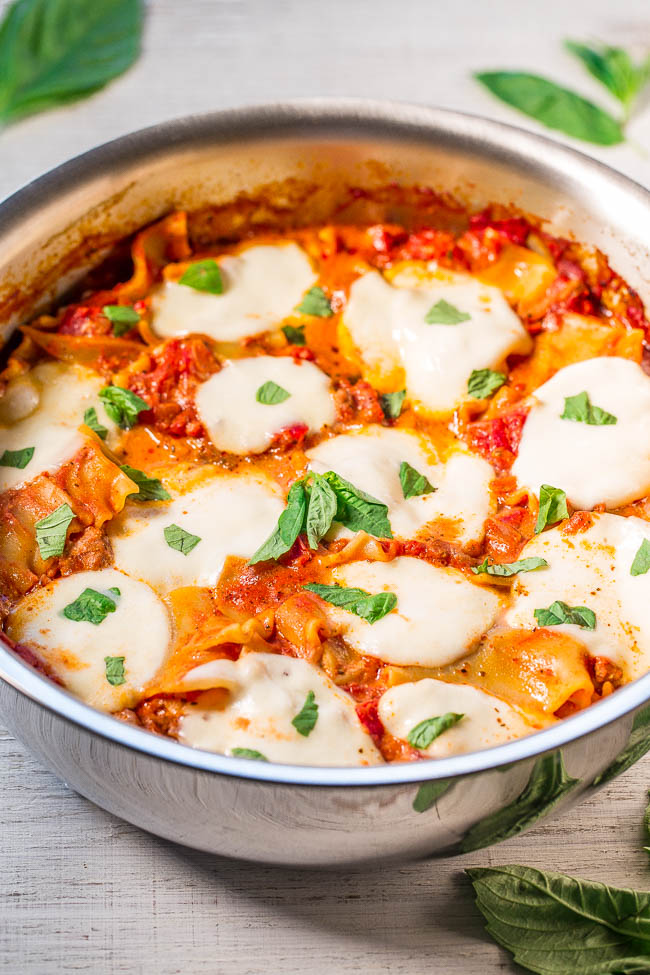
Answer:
(81, 891)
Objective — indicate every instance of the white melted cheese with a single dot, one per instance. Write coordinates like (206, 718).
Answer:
(138, 630)
(592, 569)
(47, 407)
(237, 423)
(487, 720)
(387, 324)
(262, 286)
(371, 458)
(267, 691)
(231, 515)
(439, 617)
(607, 464)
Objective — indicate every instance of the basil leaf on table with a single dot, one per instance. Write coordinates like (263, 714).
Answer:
(149, 488)
(614, 68)
(370, 608)
(391, 403)
(552, 507)
(305, 721)
(414, 484)
(55, 51)
(426, 732)
(51, 531)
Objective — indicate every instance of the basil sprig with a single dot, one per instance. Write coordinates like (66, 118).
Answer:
(444, 313)
(122, 406)
(51, 531)
(641, 562)
(115, 670)
(122, 317)
(413, 483)
(484, 382)
(552, 507)
(305, 721)
(392, 403)
(92, 606)
(270, 394)
(358, 601)
(579, 408)
(614, 68)
(203, 276)
(149, 488)
(426, 732)
(17, 458)
(509, 568)
(180, 540)
(558, 612)
(92, 420)
(316, 303)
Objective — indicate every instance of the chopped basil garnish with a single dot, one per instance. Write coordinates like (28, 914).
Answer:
(294, 335)
(321, 510)
(316, 303)
(203, 276)
(51, 531)
(122, 406)
(180, 540)
(270, 394)
(305, 721)
(426, 732)
(290, 524)
(580, 409)
(91, 607)
(92, 420)
(17, 458)
(357, 510)
(509, 568)
(149, 488)
(357, 601)
(391, 403)
(558, 612)
(641, 562)
(248, 753)
(123, 318)
(443, 313)
(552, 507)
(115, 670)
(413, 483)
(484, 382)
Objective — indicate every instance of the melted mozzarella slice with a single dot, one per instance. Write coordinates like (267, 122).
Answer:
(262, 286)
(607, 464)
(231, 516)
(439, 617)
(138, 630)
(487, 720)
(267, 691)
(592, 569)
(387, 324)
(371, 460)
(238, 423)
(44, 410)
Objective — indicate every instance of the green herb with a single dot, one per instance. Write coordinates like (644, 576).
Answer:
(357, 510)
(55, 51)
(321, 510)
(555, 107)
(203, 276)
(149, 488)
(290, 524)
(122, 406)
(428, 794)
(641, 562)
(559, 925)
(114, 669)
(391, 403)
(552, 507)
(51, 531)
(413, 483)
(547, 785)
(614, 68)
(270, 394)
(294, 335)
(316, 303)
(357, 601)
(558, 612)
(579, 408)
(483, 382)
(180, 540)
(443, 313)
(426, 732)
(509, 568)
(17, 458)
(305, 721)
(123, 317)
(92, 420)
(90, 607)
(637, 745)
(115, 591)
(248, 753)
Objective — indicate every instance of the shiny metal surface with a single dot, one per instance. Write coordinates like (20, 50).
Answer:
(288, 814)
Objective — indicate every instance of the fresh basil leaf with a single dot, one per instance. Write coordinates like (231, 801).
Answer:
(248, 753)
(305, 721)
(51, 531)
(115, 670)
(484, 382)
(92, 420)
(413, 483)
(290, 524)
(357, 510)
(17, 458)
(641, 562)
(357, 601)
(555, 107)
(123, 318)
(122, 406)
(547, 785)
(180, 540)
(149, 488)
(637, 745)
(580, 409)
(270, 394)
(509, 568)
(426, 732)
(614, 68)
(316, 303)
(429, 793)
(552, 507)
(203, 276)
(54, 51)
(294, 335)
(391, 403)
(321, 510)
(559, 925)
(558, 612)
(443, 313)
(90, 607)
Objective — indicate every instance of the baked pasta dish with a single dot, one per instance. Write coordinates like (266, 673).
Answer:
(336, 495)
